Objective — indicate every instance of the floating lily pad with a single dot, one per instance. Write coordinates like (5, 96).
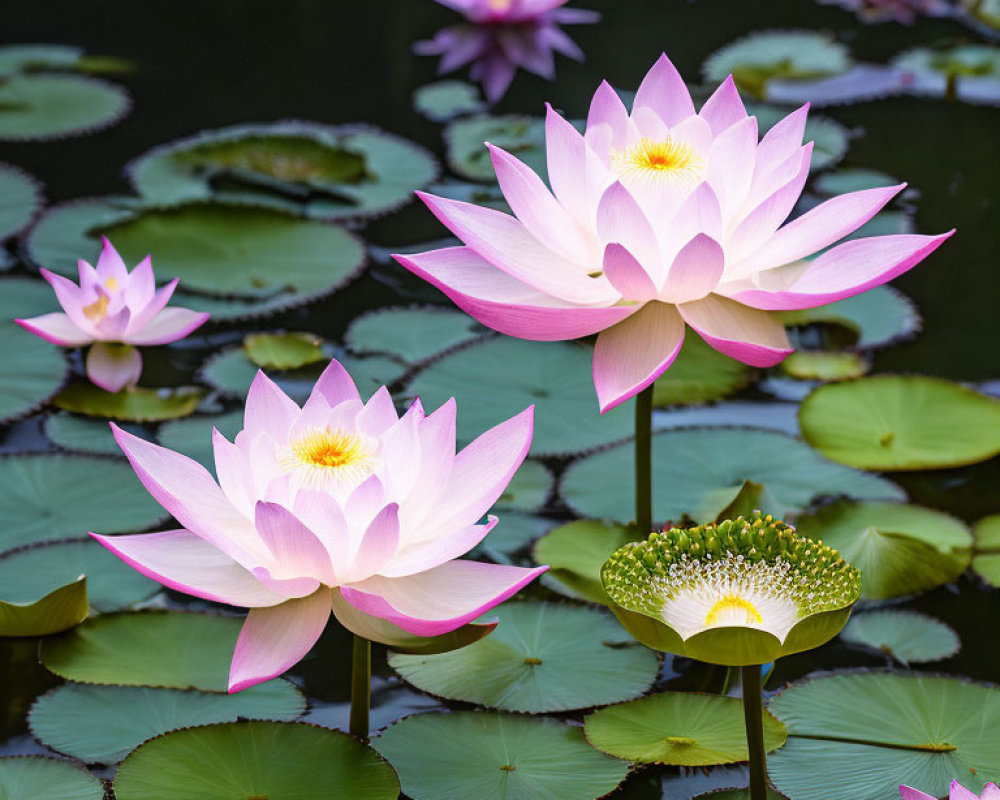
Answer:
(909, 637)
(243, 760)
(283, 350)
(43, 615)
(135, 404)
(738, 794)
(166, 649)
(51, 106)
(816, 365)
(497, 378)
(469, 157)
(830, 138)
(691, 730)
(698, 472)
(82, 434)
(528, 489)
(20, 58)
(986, 562)
(575, 553)
(541, 657)
(481, 194)
(445, 100)
(102, 724)
(193, 436)
(47, 496)
(900, 549)
(31, 369)
(892, 729)
(700, 374)
(20, 198)
(968, 72)
(901, 422)
(844, 181)
(316, 170)
(39, 778)
(516, 531)
(496, 757)
(412, 335)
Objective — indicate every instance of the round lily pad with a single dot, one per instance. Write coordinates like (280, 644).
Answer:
(854, 179)
(891, 728)
(31, 369)
(496, 757)
(520, 135)
(699, 472)
(283, 350)
(909, 637)
(135, 404)
(900, 549)
(445, 100)
(51, 106)
(541, 657)
(48, 496)
(245, 760)
(45, 614)
(901, 422)
(830, 138)
(193, 436)
(691, 730)
(986, 561)
(575, 553)
(39, 778)
(817, 365)
(167, 649)
(20, 198)
(102, 724)
(528, 489)
(413, 334)
(969, 72)
(83, 434)
(700, 374)
(18, 58)
(497, 378)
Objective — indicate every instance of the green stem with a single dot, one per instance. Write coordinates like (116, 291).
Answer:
(753, 714)
(644, 461)
(361, 687)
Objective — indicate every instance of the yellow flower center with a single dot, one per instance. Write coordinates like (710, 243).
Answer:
(97, 310)
(330, 455)
(649, 158)
(499, 5)
(731, 609)
(111, 284)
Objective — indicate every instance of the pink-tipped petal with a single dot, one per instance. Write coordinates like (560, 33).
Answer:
(437, 458)
(110, 264)
(168, 326)
(634, 353)
(627, 275)
(565, 151)
(364, 502)
(268, 409)
(296, 551)
(113, 366)
(909, 793)
(322, 514)
(274, 639)
(336, 385)
(145, 314)
(746, 334)
(141, 285)
(607, 109)
(782, 140)
(426, 555)
(724, 108)
(620, 219)
(731, 163)
(57, 328)
(441, 599)
(990, 792)
(71, 298)
(663, 90)
(377, 547)
(378, 415)
(234, 473)
(959, 792)
(696, 270)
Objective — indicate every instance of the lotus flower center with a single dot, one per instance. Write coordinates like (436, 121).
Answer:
(111, 284)
(667, 158)
(499, 5)
(97, 310)
(325, 456)
(733, 609)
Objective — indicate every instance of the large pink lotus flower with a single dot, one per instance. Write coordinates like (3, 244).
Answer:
(113, 310)
(339, 505)
(958, 792)
(659, 218)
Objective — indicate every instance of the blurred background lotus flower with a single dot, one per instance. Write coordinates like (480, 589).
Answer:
(905, 11)
(502, 36)
(958, 792)
(113, 310)
(338, 506)
(656, 219)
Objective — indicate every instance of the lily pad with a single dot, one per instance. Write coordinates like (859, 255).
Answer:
(48, 496)
(102, 724)
(445, 100)
(134, 404)
(516, 531)
(283, 350)
(817, 365)
(909, 637)
(830, 138)
(20, 199)
(193, 436)
(241, 760)
(496, 757)
(528, 489)
(698, 472)
(39, 778)
(898, 728)
(901, 422)
(700, 374)
(497, 378)
(541, 657)
(575, 553)
(879, 317)
(691, 730)
(31, 369)
(20, 58)
(986, 561)
(52, 106)
(738, 794)
(520, 135)
(83, 434)
(854, 179)
(56, 611)
(413, 334)
(968, 72)
(900, 549)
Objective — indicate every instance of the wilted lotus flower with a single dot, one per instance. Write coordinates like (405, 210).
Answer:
(504, 35)
(958, 792)
(113, 310)
(659, 218)
(340, 505)
(738, 593)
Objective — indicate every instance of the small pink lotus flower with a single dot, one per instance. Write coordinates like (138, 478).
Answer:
(339, 505)
(905, 11)
(657, 219)
(113, 310)
(507, 11)
(958, 792)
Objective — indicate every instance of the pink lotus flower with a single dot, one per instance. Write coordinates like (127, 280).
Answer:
(657, 219)
(113, 310)
(338, 506)
(905, 11)
(511, 11)
(958, 792)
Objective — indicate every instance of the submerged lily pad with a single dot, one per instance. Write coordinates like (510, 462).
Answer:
(134, 404)
(445, 100)
(691, 730)
(193, 436)
(43, 615)
(986, 562)
(40, 778)
(700, 374)
(520, 135)
(243, 760)
(816, 365)
(20, 199)
(102, 724)
(901, 422)
(575, 553)
(897, 728)
(909, 637)
(413, 334)
(900, 549)
(465, 754)
(51, 106)
(541, 657)
(283, 350)
(698, 472)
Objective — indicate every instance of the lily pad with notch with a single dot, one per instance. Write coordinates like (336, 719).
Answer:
(908, 637)
(575, 553)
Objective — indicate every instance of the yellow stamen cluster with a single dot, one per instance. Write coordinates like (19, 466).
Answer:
(322, 455)
(733, 605)
(97, 310)
(653, 159)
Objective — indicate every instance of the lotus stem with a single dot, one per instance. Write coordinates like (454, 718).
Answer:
(361, 687)
(644, 461)
(753, 714)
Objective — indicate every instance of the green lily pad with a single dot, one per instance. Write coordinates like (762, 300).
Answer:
(700, 374)
(520, 135)
(315, 170)
(909, 637)
(516, 531)
(541, 657)
(86, 435)
(56, 611)
(738, 794)
(48, 496)
(691, 730)
(283, 350)
(986, 561)
(496, 757)
(897, 728)
(20, 58)
(528, 490)
(193, 436)
(31, 369)
(20, 199)
(901, 422)
(165, 649)
(243, 760)
(817, 365)
(52, 106)
(497, 378)
(830, 138)
(843, 181)
(445, 100)
(575, 554)
(39, 778)
(900, 549)
(969, 72)
(102, 724)
(698, 472)
(135, 404)
(412, 335)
